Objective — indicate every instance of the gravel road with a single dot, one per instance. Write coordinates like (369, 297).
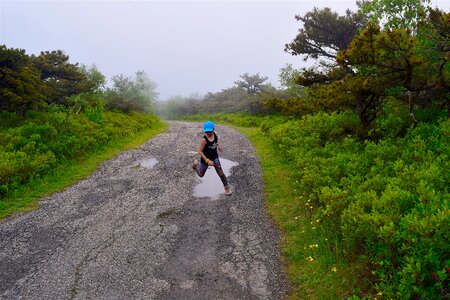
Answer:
(130, 232)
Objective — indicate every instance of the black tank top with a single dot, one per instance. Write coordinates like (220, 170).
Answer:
(210, 149)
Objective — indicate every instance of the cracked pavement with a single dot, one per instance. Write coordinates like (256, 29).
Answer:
(129, 232)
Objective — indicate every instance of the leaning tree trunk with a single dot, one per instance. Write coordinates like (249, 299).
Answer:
(367, 106)
(411, 101)
(364, 118)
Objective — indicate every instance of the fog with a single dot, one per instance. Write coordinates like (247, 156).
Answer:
(186, 47)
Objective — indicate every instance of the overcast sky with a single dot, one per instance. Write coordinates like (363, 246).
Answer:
(186, 47)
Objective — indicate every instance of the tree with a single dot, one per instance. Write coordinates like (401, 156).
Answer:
(129, 94)
(434, 36)
(146, 87)
(95, 80)
(391, 14)
(252, 84)
(62, 78)
(20, 86)
(313, 76)
(121, 84)
(123, 95)
(288, 78)
(398, 63)
(324, 33)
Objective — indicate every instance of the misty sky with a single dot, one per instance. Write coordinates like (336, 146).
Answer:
(186, 47)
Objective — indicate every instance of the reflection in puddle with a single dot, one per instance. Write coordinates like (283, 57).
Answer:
(148, 163)
(210, 185)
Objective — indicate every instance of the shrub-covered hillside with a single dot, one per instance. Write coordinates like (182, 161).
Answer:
(53, 112)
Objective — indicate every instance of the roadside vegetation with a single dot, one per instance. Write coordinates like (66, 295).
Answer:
(58, 122)
(355, 151)
(359, 218)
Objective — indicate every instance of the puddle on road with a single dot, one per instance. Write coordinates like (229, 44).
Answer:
(210, 185)
(148, 163)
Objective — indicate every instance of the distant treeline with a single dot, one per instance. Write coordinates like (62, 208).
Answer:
(246, 96)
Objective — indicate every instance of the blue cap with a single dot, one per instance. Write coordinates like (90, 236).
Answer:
(208, 126)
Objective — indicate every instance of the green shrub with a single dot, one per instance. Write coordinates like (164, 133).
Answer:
(383, 204)
(41, 141)
(95, 114)
(387, 201)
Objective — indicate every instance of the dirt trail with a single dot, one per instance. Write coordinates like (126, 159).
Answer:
(129, 232)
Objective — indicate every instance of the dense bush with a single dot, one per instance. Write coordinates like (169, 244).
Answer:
(31, 147)
(388, 200)
(384, 202)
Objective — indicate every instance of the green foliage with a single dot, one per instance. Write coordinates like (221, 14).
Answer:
(316, 130)
(288, 77)
(393, 120)
(390, 56)
(252, 84)
(373, 65)
(324, 33)
(379, 209)
(178, 106)
(132, 94)
(395, 13)
(403, 225)
(62, 78)
(31, 83)
(397, 63)
(388, 201)
(95, 80)
(433, 35)
(20, 86)
(32, 147)
(95, 114)
(247, 96)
